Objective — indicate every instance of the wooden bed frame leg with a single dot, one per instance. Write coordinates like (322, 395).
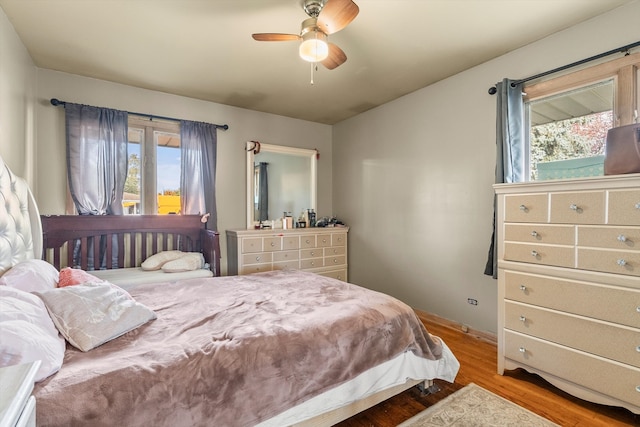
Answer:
(428, 387)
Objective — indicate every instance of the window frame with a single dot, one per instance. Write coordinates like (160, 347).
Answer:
(623, 71)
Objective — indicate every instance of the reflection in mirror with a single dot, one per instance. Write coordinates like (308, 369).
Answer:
(279, 179)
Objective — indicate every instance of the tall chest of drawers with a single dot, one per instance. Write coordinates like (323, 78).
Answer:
(318, 250)
(569, 285)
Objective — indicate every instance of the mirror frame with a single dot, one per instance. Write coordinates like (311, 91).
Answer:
(270, 148)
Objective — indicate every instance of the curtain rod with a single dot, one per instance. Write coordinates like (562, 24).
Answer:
(57, 102)
(623, 49)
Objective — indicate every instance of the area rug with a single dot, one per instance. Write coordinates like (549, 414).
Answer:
(474, 406)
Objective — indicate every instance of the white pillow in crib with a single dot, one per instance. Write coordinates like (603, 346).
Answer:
(155, 262)
(189, 262)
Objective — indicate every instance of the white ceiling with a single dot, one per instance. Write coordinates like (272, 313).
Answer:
(203, 48)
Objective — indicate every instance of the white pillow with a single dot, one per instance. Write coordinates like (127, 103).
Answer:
(91, 314)
(155, 262)
(31, 275)
(188, 262)
(28, 333)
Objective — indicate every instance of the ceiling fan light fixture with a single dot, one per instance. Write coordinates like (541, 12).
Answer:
(314, 47)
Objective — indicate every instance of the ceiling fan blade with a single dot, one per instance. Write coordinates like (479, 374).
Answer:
(336, 57)
(337, 14)
(275, 37)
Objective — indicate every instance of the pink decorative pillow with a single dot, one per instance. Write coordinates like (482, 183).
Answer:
(74, 276)
(28, 333)
(31, 275)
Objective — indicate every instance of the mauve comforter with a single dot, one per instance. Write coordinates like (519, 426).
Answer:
(231, 351)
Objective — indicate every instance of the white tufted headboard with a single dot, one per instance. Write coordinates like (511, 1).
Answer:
(20, 226)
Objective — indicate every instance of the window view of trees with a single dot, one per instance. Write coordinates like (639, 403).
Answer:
(569, 139)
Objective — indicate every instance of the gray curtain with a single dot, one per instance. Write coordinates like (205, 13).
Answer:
(96, 162)
(263, 192)
(198, 142)
(510, 151)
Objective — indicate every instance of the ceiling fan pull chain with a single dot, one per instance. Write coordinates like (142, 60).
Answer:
(313, 65)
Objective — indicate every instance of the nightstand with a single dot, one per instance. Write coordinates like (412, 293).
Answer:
(17, 405)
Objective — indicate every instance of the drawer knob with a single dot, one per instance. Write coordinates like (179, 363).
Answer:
(638, 349)
(258, 258)
(313, 263)
(307, 241)
(622, 238)
(312, 253)
(523, 288)
(272, 244)
(574, 207)
(523, 319)
(335, 261)
(534, 254)
(523, 208)
(522, 350)
(637, 205)
(534, 233)
(324, 240)
(621, 262)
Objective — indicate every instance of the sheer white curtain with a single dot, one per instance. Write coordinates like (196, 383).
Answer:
(198, 143)
(510, 150)
(96, 165)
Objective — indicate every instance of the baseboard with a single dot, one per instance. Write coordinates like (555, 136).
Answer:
(434, 318)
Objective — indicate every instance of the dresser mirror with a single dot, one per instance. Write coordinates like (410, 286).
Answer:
(279, 179)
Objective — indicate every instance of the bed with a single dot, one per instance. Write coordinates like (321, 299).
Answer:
(270, 349)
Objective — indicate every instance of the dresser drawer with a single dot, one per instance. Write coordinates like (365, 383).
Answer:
(311, 263)
(307, 241)
(609, 303)
(338, 239)
(580, 207)
(285, 265)
(335, 250)
(257, 258)
(253, 244)
(311, 253)
(526, 207)
(621, 238)
(611, 378)
(624, 207)
(608, 340)
(335, 274)
(539, 233)
(323, 240)
(335, 260)
(255, 268)
(560, 256)
(290, 242)
(610, 261)
(285, 256)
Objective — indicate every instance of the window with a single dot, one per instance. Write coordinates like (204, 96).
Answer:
(568, 118)
(153, 179)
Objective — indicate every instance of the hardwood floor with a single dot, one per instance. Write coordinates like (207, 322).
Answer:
(478, 360)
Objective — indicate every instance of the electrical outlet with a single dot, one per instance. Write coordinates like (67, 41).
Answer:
(472, 301)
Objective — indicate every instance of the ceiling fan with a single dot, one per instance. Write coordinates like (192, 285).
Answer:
(326, 17)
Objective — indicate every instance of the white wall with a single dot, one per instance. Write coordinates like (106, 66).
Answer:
(413, 177)
(17, 89)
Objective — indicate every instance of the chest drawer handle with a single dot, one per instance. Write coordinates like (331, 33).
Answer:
(523, 288)
(622, 238)
(621, 262)
(272, 244)
(523, 208)
(638, 349)
(335, 261)
(534, 233)
(307, 241)
(574, 207)
(312, 253)
(522, 350)
(258, 258)
(637, 205)
(638, 388)
(534, 254)
(523, 319)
